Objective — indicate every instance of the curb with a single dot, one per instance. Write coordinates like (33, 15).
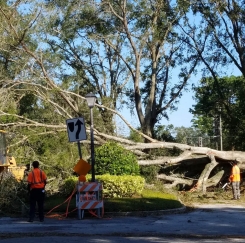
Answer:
(183, 209)
(149, 213)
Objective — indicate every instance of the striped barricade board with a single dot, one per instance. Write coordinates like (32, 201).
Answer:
(93, 204)
(89, 197)
(89, 186)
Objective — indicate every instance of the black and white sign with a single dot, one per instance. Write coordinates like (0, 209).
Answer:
(76, 129)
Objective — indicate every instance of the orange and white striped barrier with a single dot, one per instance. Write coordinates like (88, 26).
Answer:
(89, 197)
(90, 204)
(89, 187)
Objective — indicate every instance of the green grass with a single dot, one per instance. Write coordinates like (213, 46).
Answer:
(149, 200)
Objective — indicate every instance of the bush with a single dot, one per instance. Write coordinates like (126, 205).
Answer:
(69, 185)
(113, 159)
(122, 186)
(13, 193)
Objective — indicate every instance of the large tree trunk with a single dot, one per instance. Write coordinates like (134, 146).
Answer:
(202, 181)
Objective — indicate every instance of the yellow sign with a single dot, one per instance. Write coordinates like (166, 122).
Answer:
(82, 167)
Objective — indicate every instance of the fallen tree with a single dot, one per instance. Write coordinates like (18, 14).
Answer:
(206, 159)
(191, 156)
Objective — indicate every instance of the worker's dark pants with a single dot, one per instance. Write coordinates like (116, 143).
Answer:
(37, 196)
(236, 189)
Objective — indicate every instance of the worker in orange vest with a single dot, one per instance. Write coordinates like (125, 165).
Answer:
(235, 180)
(37, 180)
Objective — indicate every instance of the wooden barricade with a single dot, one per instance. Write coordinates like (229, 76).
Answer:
(89, 196)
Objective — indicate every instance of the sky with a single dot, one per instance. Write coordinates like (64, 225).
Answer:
(181, 117)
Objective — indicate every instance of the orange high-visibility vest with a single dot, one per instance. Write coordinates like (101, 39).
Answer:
(37, 178)
(235, 174)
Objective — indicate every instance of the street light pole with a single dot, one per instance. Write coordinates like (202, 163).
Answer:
(91, 98)
(92, 143)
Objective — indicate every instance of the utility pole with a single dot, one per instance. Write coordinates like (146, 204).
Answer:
(220, 130)
(200, 141)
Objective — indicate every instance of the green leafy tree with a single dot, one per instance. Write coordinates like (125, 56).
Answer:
(193, 136)
(212, 108)
(223, 22)
(92, 65)
(112, 46)
(136, 137)
(164, 133)
(152, 51)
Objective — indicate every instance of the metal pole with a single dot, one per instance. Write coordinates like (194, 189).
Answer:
(79, 211)
(92, 143)
(220, 131)
(79, 150)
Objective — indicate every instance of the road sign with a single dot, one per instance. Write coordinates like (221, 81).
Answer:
(76, 129)
(82, 167)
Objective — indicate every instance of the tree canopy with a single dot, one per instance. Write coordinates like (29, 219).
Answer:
(212, 110)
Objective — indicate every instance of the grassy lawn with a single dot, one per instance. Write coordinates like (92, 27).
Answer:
(149, 200)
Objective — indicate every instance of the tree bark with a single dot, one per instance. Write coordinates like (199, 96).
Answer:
(213, 181)
(175, 180)
(202, 181)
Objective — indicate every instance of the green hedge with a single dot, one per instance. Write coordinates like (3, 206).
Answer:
(113, 186)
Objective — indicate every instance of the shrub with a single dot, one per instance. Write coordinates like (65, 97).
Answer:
(113, 159)
(122, 186)
(69, 185)
(13, 193)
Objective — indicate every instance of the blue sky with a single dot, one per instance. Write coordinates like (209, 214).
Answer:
(181, 117)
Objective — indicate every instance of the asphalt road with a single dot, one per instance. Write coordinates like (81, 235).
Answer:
(206, 223)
